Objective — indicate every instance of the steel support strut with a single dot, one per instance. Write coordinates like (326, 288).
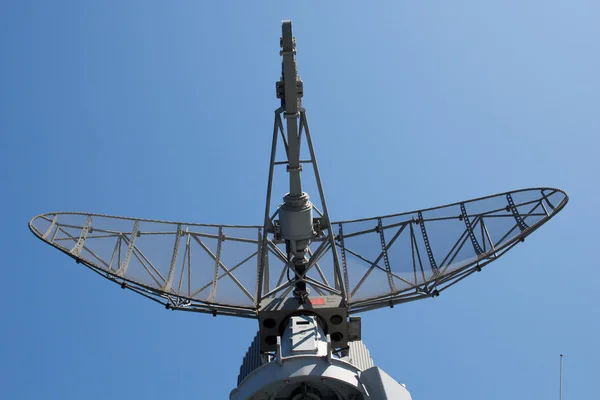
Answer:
(304, 368)
(295, 225)
(295, 214)
(291, 98)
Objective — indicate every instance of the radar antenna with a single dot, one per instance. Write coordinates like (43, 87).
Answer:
(295, 225)
(302, 276)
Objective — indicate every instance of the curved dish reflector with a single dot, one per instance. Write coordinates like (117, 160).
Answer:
(196, 267)
(398, 258)
(384, 260)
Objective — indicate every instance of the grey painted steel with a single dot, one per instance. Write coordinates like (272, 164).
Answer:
(169, 283)
(340, 239)
(296, 222)
(50, 228)
(426, 241)
(357, 354)
(296, 225)
(304, 368)
(275, 313)
(257, 268)
(385, 246)
(268, 224)
(76, 250)
(413, 278)
(381, 386)
(385, 255)
(213, 289)
(292, 100)
(252, 360)
(303, 336)
(130, 246)
(546, 198)
(340, 379)
(469, 226)
(560, 378)
(515, 212)
(323, 262)
(325, 214)
(106, 247)
(277, 381)
(354, 328)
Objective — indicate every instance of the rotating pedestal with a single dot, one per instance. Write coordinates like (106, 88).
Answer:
(304, 368)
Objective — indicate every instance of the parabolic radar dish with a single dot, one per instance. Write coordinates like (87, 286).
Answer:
(385, 260)
(301, 275)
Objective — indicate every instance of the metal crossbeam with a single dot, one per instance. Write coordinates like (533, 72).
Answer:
(487, 235)
(298, 228)
(145, 263)
(52, 225)
(228, 272)
(545, 196)
(374, 264)
(259, 264)
(467, 221)
(82, 236)
(83, 247)
(184, 262)
(108, 251)
(171, 274)
(325, 214)
(340, 238)
(426, 240)
(413, 238)
(268, 223)
(515, 212)
(213, 289)
(386, 260)
(319, 270)
(130, 246)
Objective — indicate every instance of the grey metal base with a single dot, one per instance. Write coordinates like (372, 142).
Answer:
(305, 368)
(312, 377)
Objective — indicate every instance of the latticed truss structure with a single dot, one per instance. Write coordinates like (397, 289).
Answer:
(383, 260)
(299, 274)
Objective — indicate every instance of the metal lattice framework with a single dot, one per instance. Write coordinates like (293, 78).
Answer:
(299, 273)
(384, 260)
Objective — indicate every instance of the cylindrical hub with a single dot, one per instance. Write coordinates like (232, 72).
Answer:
(296, 218)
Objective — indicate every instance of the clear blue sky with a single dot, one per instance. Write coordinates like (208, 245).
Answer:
(164, 110)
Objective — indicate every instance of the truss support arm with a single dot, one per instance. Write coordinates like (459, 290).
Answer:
(515, 212)
(125, 264)
(169, 282)
(469, 227)
(82, 236)
(432, 262)
(295, 225)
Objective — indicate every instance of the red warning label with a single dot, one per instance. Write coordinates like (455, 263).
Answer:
(317, 301)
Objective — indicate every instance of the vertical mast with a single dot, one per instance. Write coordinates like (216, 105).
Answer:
(560, 384)
(295, 225)
(292, 88)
